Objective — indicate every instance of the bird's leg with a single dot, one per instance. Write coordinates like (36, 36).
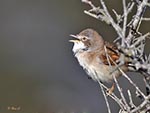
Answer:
(111, 90)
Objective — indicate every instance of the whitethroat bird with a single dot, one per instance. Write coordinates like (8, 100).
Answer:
(96, 56)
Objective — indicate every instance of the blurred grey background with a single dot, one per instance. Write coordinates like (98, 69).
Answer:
(38, 72)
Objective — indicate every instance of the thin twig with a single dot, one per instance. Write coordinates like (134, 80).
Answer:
(124, 23)
(146, 19)
(89, 3)
(115, 98)
(115, 26)
(91, 14)
(130, 99)
(140, 39)
(137, 19)
(121, 94)
(146, 100)
(105, 97)
(136, 87)
(119, 88)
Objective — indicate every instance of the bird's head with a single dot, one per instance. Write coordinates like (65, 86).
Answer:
(87, 40)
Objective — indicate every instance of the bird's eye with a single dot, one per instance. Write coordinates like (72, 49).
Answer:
(84, 39)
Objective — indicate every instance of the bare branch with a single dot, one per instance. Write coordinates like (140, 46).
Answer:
(131, 45)
(115, 26)
(124, 22)
(118, 17)
(115, 98)
(89, 3)
(136, 87)
(148, 4)
(131, 100)
(122, 95)
(117, 84)
(136, 20)
(146, 19)
(105, 97)
(141, 105)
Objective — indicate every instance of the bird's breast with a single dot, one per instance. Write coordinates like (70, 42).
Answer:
(96, 69)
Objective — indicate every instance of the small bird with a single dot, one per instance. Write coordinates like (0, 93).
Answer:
(98, 57)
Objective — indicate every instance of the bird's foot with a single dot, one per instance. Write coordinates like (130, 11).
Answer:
(110, 90)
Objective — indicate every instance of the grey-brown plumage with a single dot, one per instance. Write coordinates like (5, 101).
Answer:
(96, 56)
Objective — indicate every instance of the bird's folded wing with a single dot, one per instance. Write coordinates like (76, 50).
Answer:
(111, 55)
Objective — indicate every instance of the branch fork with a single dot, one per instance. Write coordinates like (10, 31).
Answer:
(131, 42)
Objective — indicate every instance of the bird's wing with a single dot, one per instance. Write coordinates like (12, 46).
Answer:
(111, 55)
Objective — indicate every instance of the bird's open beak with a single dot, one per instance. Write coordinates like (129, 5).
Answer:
(74, 40)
